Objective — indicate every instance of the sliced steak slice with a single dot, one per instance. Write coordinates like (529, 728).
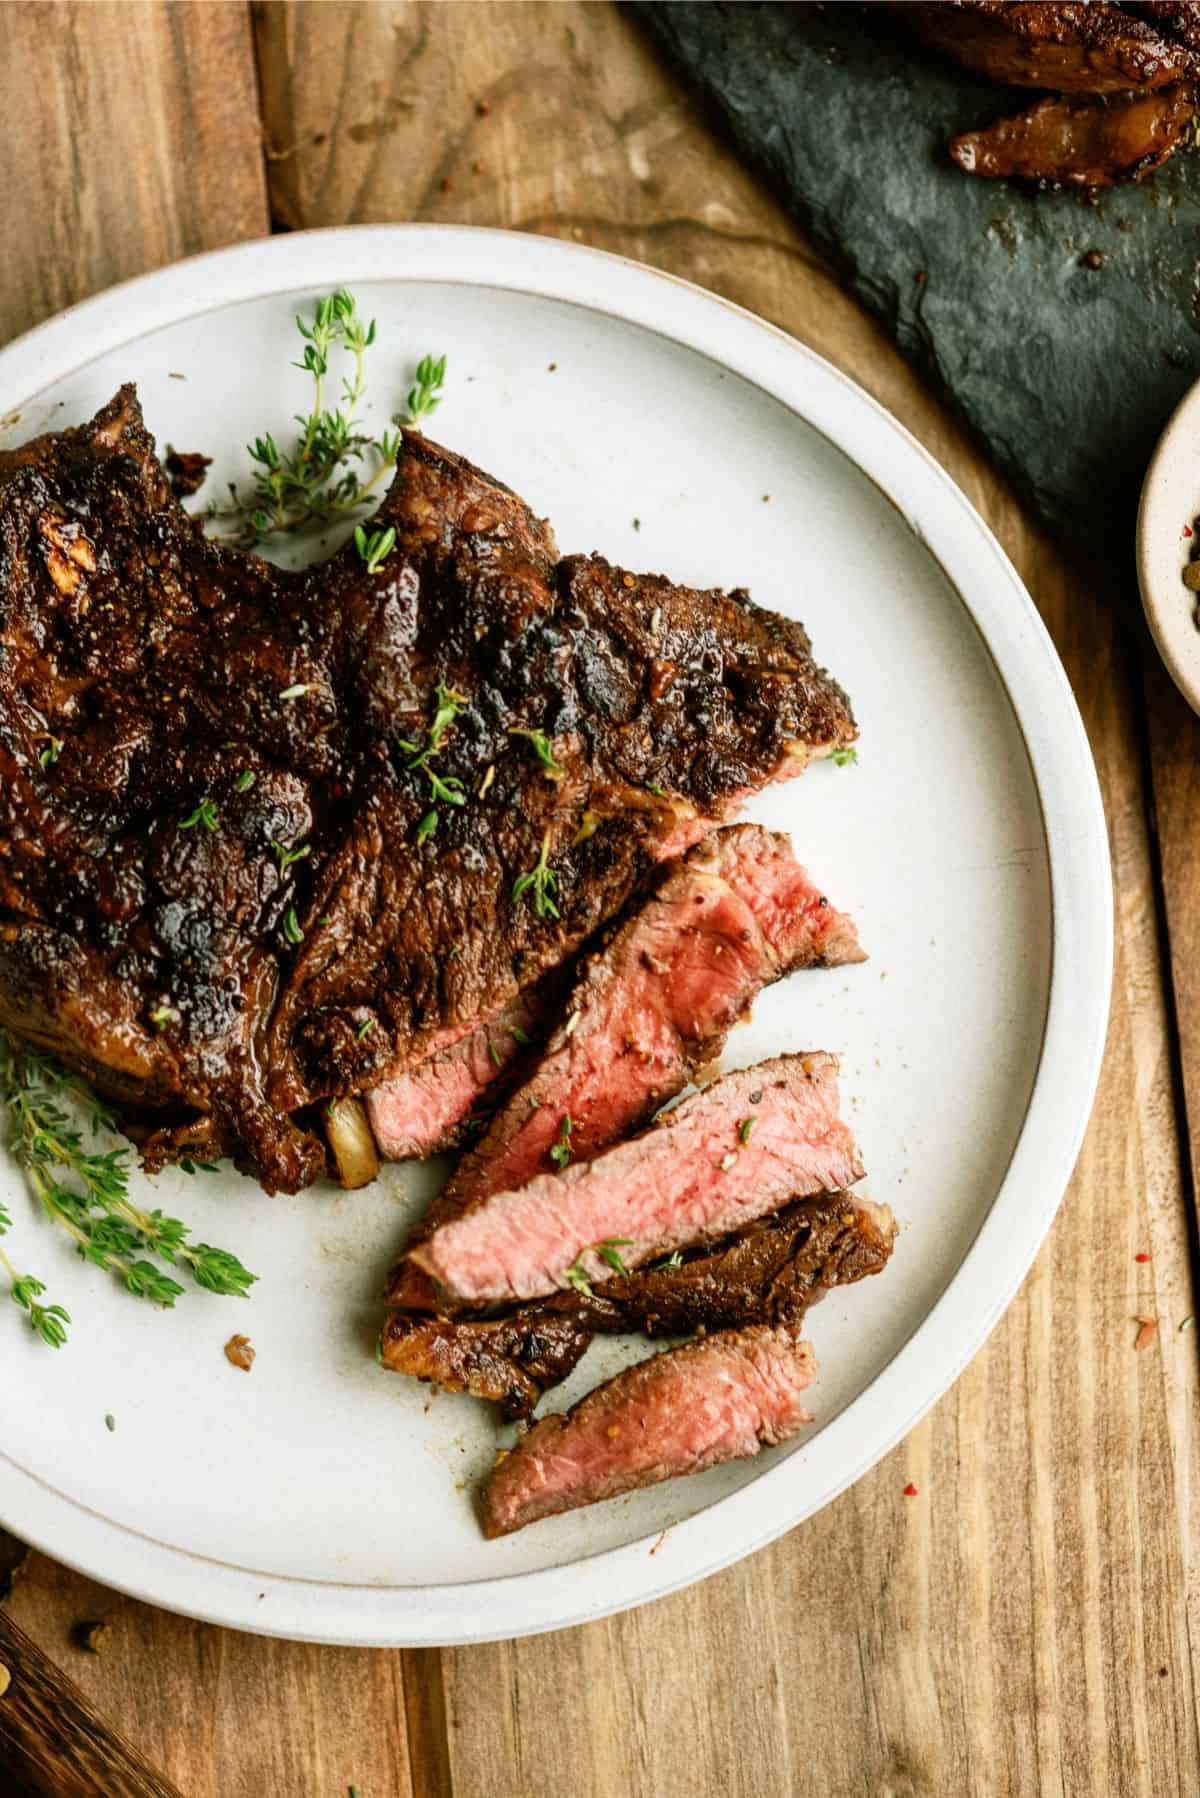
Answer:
(649, 1008)
(444, 1100)
(219, 897)
(678, 1413)
(733, 1152)
(1086, 140)
(768, 1272)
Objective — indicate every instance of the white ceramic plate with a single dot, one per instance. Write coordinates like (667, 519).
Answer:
(1165, 544)
(320, 1497)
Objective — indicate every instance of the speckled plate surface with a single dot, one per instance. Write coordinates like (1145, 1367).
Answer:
(320, 1497)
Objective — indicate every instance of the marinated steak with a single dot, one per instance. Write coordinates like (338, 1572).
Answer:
(231, 881)
(768, 1272)
(649, 1008)
(735, 1151)
(680, 1412)
(1079, 47)
(1086, 140)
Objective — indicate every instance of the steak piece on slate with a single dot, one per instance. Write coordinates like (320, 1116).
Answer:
(1087, 140)
(655, 1003)
(179, 722)
(733, 1152)
(680, 1412)
(1077, 47)
(768, 1272)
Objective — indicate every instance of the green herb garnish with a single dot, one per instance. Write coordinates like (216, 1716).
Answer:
(244, 781)
(297, 691)
(205, 814)
(745, 1127)
(840, 757)
(674, 1260)
(95, 1209)
(163, 1014)
(286, 856)
(447, 789)
(318, 478)
(363, 1029)
(652, 786)
(426, 396)
(520, 1036)
(291, 928)
(50, 754)
(560, 1152)
(541, 881)
(608, 1251)
(494, 1052)
(376, 547)
(543, 749)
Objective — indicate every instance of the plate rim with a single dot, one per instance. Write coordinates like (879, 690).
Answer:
(1080, 976)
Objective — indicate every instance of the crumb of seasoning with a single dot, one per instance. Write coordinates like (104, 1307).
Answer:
(1187, 530)
(910, 1491)
(445, 184)
(1141, 1256)
(1093, 259)
(93, 1636)
(477, 168)
(1146, 1333)
(551, 367)
(186, 471)
(110, 1422)
(172, 376)
(922, 276)
(482, 108)
(637, 524)
(766, 499)
(239, 1353)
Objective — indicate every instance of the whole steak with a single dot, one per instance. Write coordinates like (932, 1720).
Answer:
(221, 893)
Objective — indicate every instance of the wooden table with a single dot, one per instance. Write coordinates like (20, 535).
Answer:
(1028, 1623)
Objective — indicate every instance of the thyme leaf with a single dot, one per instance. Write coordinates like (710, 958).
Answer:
(544, 750)
(205, 814)
(541, 882)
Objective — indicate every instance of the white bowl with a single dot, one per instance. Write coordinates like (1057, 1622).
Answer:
(1170, 504)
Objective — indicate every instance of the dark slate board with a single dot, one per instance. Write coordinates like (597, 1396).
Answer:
(1068, 374)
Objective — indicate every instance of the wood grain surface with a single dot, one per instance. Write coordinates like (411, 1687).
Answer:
(1024, 1625)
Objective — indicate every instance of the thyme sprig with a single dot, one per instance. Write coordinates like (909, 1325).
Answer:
(446, 789)
(540, 882)
(323, 474)
(609, 1252)
(47, 1321)
(86, 1191)
(426, 396)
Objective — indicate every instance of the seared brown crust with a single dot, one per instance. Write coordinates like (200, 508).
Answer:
(1080, 46)
(769, 1272)
(1087, 140)
(144, 669)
